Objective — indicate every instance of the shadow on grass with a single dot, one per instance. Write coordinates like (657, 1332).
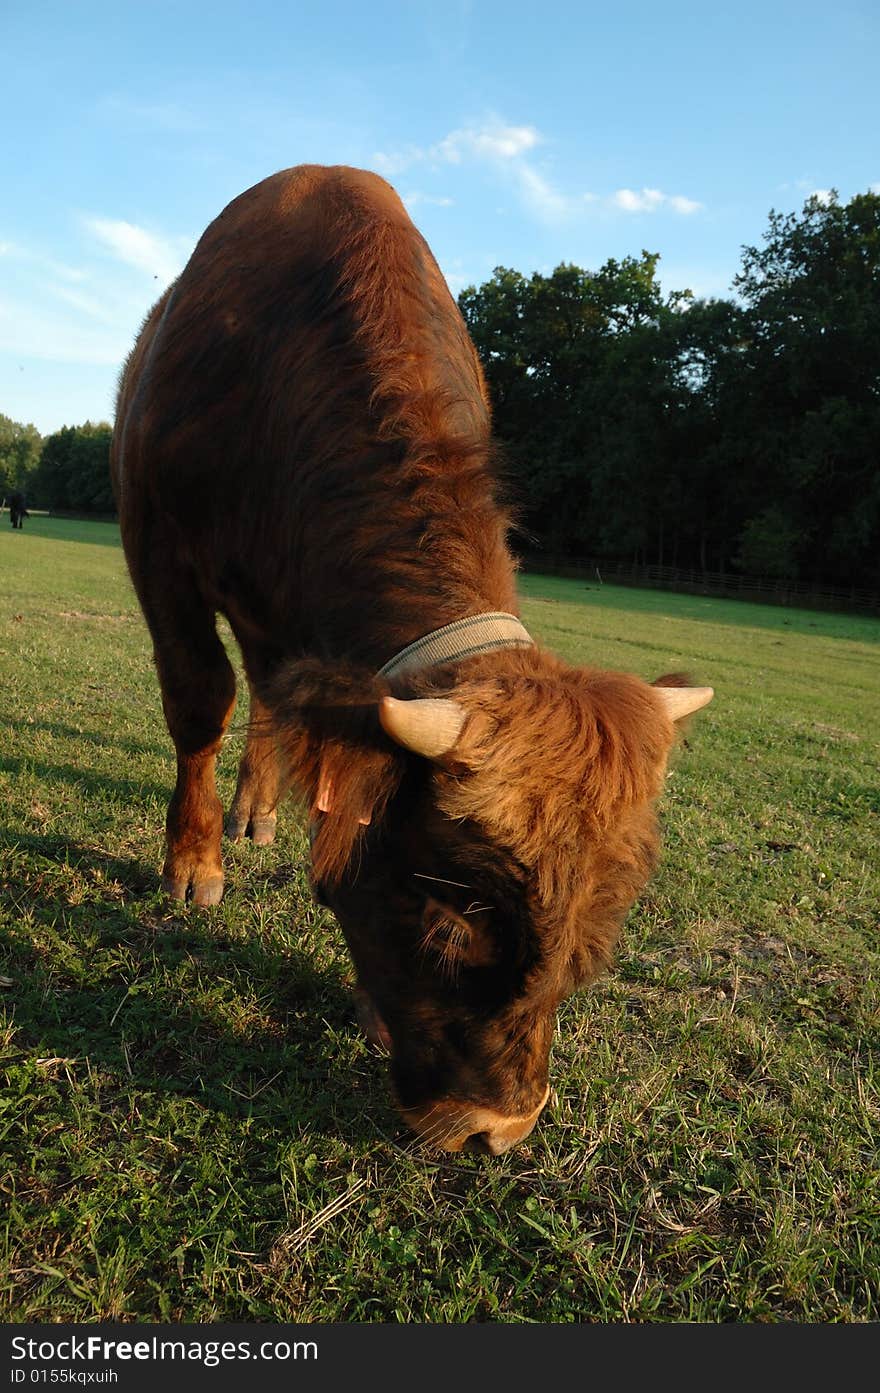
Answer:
(167, 999)
(86, 780)
(99, 738)
(545, 592)
(97, 531)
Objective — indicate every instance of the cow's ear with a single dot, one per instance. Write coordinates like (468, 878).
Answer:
(333, 750)
(346, 790)
(326, 798)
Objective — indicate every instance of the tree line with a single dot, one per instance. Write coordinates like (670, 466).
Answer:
(732, 434)
(68, 471)
(738, 434)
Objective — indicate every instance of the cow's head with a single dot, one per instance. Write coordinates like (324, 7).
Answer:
(480, 867)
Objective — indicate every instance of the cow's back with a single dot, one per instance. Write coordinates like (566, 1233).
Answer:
(308, 367)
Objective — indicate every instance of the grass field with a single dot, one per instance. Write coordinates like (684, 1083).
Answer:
(191, 1128)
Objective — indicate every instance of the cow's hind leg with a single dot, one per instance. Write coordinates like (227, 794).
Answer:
(198, 697)
(252, 813)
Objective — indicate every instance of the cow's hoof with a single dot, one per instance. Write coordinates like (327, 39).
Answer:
(199, 892)
(370, 1022)
(260, 827)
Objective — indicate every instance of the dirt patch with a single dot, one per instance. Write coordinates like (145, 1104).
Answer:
(106, 618)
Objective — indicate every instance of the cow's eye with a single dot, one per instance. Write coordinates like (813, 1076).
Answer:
(455, 940)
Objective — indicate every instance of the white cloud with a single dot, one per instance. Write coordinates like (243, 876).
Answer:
(162, 258)
(29, 331)
(43, 263)
(539, 194)
(412, 200)
(825, 196)
(679, 204)
(397, 161)
(87, 303)
(644, 202)
(796, 185)
(505, 148)
(494, 140)
(651, 200)
(86, 314)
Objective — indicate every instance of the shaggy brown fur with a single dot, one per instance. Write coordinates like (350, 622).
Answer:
(303, 444)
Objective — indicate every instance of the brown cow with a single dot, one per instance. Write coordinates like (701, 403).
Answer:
(482, 813)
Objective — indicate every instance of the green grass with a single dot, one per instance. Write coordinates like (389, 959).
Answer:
(192, 1129)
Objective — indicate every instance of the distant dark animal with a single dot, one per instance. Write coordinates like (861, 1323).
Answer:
(17, 510)
(482, 813)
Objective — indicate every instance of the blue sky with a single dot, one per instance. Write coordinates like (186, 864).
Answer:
(519, 134)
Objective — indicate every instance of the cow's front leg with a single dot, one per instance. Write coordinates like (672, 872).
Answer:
(198, 696)
(193, 868)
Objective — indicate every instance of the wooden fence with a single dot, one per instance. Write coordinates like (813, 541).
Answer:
(762, 589)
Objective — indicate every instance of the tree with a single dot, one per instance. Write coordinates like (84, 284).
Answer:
(580, 388)
(708, 344)
(769, 545)
(74, 469)
(812, 295)
(708, 433)
(19, 453)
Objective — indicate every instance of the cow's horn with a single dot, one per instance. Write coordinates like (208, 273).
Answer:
(428, 726)
(681, 701)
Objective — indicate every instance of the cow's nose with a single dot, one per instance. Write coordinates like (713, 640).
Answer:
(491, 1143)
(455, 1126)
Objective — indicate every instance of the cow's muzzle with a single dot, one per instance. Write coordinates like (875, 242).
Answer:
(455, 1126)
